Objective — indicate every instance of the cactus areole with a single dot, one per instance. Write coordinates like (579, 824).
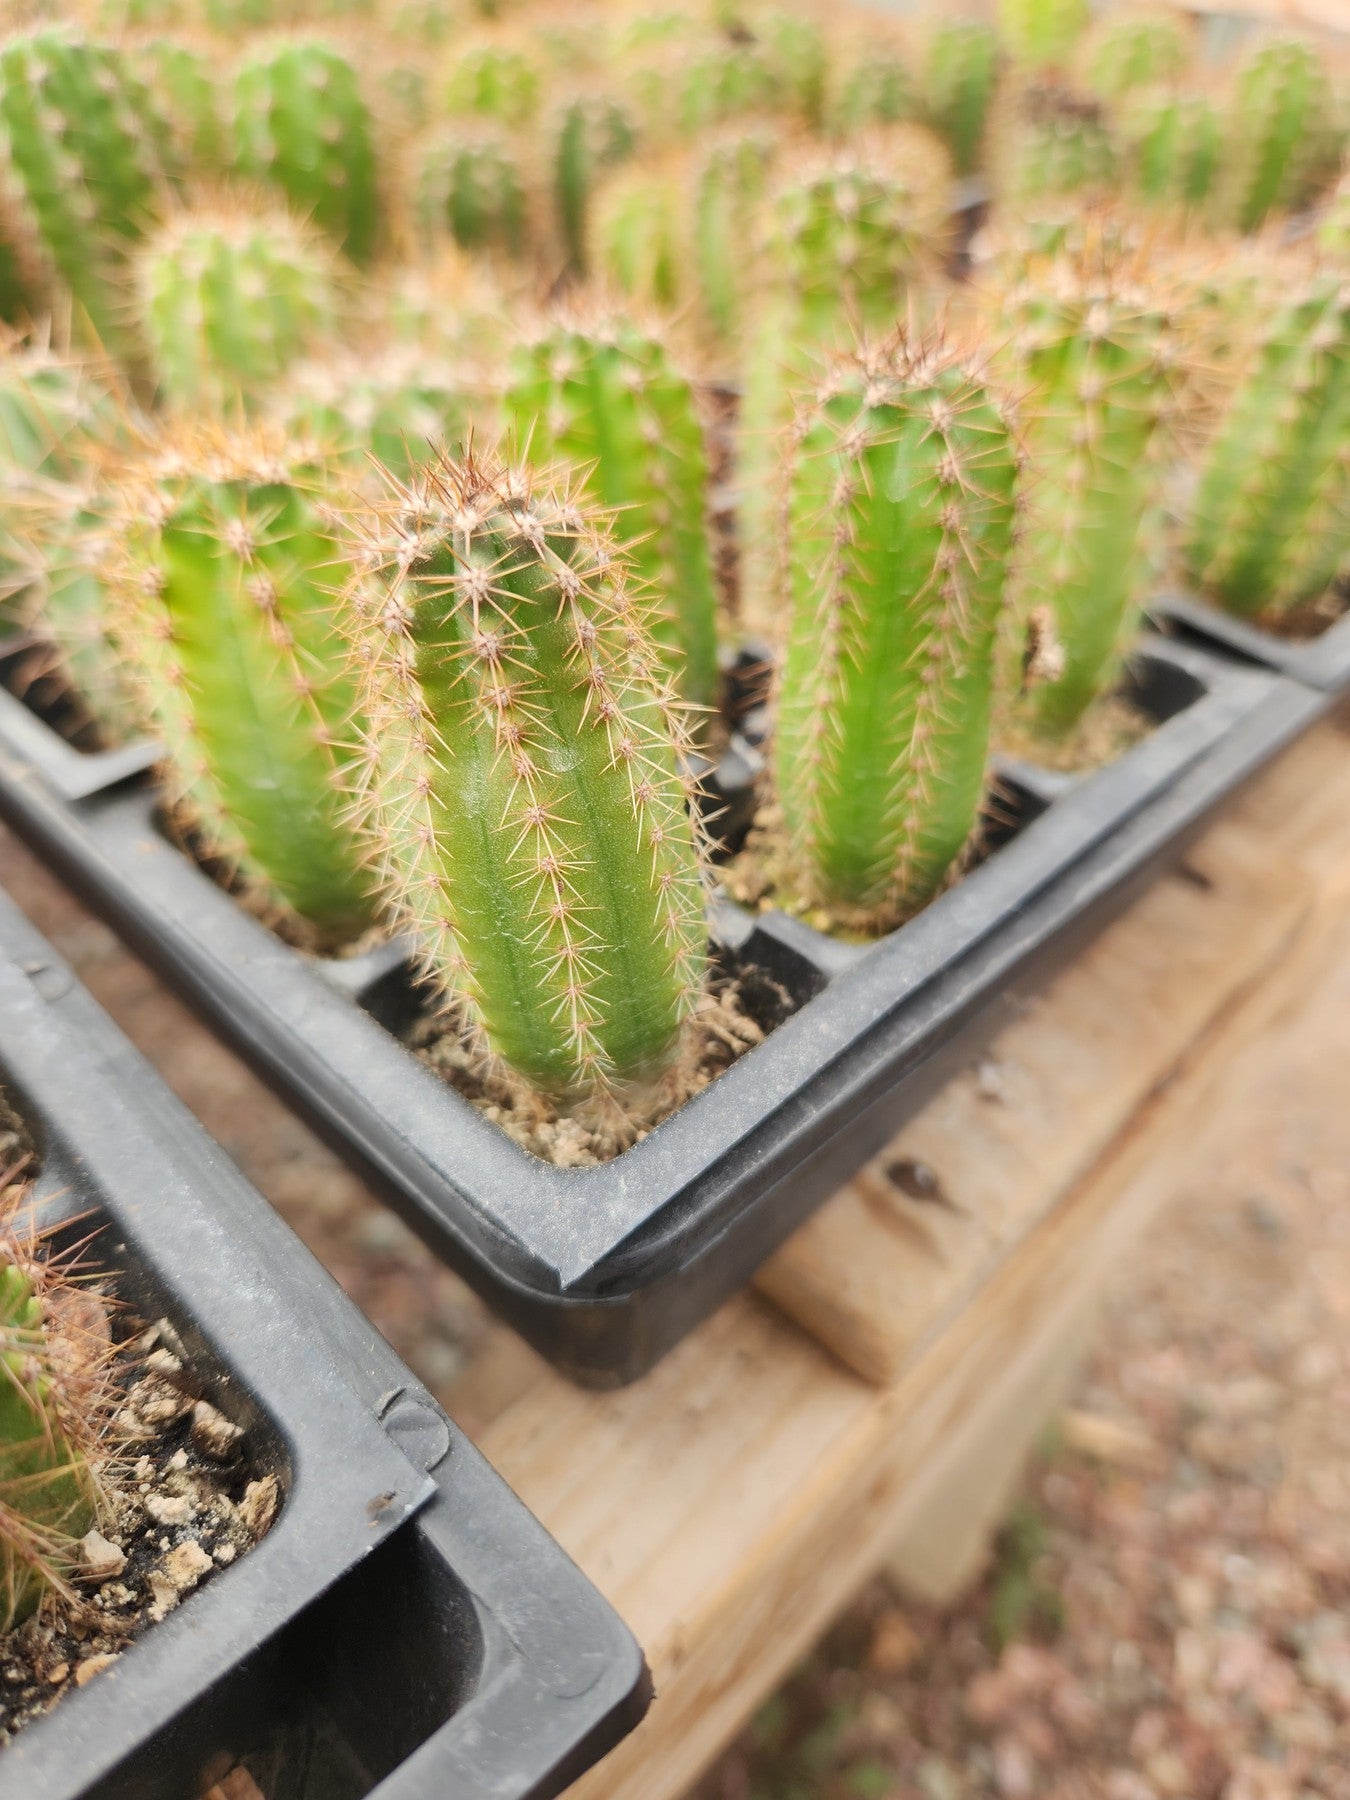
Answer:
(523, 764)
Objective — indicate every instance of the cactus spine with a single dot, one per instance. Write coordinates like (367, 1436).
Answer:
(1042, 34)
(225, 577)
(523, 759)
(606, 397)
(593, 132)
(1269, 524)
(897, 520)
(85, 157)
(300, 122)
(960, 79)
(1281, 142)
(1093, 350)
(227, 302)
(470, 184)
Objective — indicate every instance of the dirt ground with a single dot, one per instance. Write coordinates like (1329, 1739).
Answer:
(1169, 1611)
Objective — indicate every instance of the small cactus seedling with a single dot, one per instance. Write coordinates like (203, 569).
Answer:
(639, 235)
(1173, 147)
(961, 69)
(591, 133)
(1130, 50)
(84, 156)
(1268, 527)
(1094, 350)
(605, 397)
(469, 183)
(227, 301)
(1281, 144)
(897, 521)
(1055, 144)
(493, 81)
(226, 573)
(524, 767)
(390, 408)
(300, 122)
(1042, 34)
(49, 1426)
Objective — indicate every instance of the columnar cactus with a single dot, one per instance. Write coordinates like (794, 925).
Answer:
(590, 134)
(961, 67)
(48, 1490)
(393, 408)
(300, 122)
(730, 182)
(605, 397)
(469, 183)
(183, 78)
(523, 765)
(225, 577)
(1093, 352)
(1281, 142)
(83, 154)
(493, 81)
(1042, 34)
(793, 46)
(1173, 147)
(639, 236)
(875, 84)
(897, 520)
(227, 301)
(1055, 144)
(1268, 527)
(1130, 50)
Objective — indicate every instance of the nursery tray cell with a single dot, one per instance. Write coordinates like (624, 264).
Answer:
(1321, 662)
(405, 1630)
(603, 1269)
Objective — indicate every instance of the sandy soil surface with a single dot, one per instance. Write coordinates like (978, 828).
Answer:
(1169, 1611)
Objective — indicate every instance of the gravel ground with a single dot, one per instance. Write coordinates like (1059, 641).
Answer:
(1169, 1611)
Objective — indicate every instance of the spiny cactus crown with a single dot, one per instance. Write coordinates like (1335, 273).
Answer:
(524, 774)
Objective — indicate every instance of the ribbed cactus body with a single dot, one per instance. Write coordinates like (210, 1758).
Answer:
(524, 768)
(226, 576)
(730, 183)
(1132, 50)
(896, 525)
(300, 122)
(83, 153)
(639, 236)
(48, 1496)
(493, 81)
(1042, 34)
(470, 183)
(607, 399)
(1057, 144)
(395, 407)
(961, 68)
(184, 81)
(591, 133)
(1093, 356)
(1268, 526)
(793, 46)
(1173, 147)
(227, 302)
(876, 85)
(1280, 140)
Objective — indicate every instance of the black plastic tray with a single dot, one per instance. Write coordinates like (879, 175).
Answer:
(406, 1629)
(604, 1269)
(1321, 662)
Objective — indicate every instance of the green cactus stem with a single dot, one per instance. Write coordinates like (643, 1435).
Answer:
(1129, 50)
(1055, 144)
(226, 575)
(897, 521)
(228, 301)
(1093, 351)
(493, 81)
(875, 83)
(1042, 34)
(184, 79)
(793, 45)
(470, 183)
(300, 122)
(591, 133)
(605, 397)
(389, 409)
(83, 156)
(961, 71)
(639, 235)
(730, 182)
(1268, 527)
(1281, 143)
(524, 764)
(48, 1490)
(1173, 147)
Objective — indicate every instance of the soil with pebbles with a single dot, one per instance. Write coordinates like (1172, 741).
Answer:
(183, 1502)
